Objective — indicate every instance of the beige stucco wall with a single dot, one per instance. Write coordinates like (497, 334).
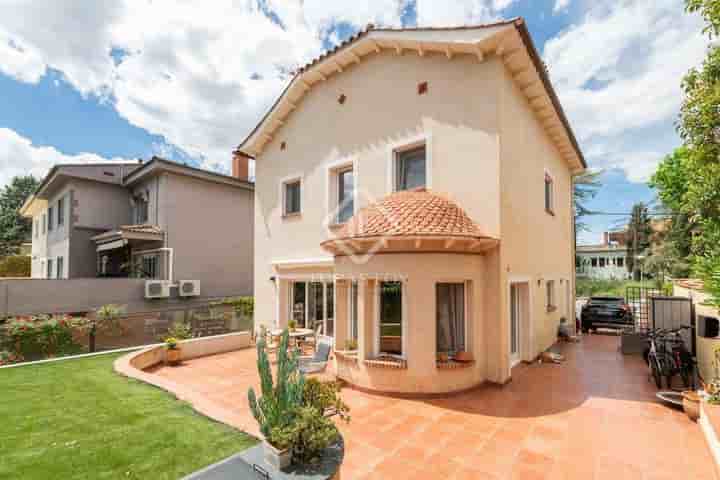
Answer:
(457, 117)
(535, 246)
(497, 179)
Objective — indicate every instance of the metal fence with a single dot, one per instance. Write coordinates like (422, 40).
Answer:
(40, 337)
(639, 298)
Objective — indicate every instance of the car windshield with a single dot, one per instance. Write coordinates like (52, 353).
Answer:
(610, 301)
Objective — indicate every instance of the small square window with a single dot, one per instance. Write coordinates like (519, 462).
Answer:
(550, 299)
(549, 195)
(410, 168)
(291, 192)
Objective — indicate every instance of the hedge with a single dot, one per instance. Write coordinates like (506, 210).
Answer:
(15, 266)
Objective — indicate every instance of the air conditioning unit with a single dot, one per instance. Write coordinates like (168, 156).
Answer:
(189, 288)
(157, 289)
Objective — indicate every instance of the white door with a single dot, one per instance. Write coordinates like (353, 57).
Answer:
(515, 315)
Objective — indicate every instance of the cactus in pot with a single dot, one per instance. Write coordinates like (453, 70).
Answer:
(278, 402)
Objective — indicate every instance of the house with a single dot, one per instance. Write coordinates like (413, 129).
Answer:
(605, 260)
(155, 220)
(414, 198)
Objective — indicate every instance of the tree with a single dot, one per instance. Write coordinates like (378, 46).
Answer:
(15, 229)
(710, 11)
(638, 238)
(585, 187)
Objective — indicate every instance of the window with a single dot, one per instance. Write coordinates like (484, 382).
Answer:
(141, 210)
(60, 268)
(346, 195)
(550, 287)
(391, 328)
(36, 228)
(149, 266)
(291, 200)
(593, 262)
(61, 211)
(549, 195)
(44, 223)
(602, 261)
(410, 168)
(50, 219)
(313, 306)
(450, 313)
(354, 311)
(620, 262)
(49, 272)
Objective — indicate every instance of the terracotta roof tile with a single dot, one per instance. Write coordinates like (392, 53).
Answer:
(411, 213)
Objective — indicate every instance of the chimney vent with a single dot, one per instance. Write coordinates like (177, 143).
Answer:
(241, 166)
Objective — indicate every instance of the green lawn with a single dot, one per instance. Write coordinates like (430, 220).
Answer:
(77, 419)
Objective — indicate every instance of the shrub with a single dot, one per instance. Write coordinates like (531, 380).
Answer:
(325, 398)
(180, 330)
(243, 305)
(42, 336)
(308, 434)
(15, 266)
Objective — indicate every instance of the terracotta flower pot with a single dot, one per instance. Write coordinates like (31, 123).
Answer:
(464, 357)
(691, 405)
(442, 357)
(173, 356)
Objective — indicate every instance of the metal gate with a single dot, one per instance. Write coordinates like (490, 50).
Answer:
(638, 298)
(674, 312)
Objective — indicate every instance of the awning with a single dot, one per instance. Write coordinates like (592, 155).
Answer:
(112, 245)
(130, 232)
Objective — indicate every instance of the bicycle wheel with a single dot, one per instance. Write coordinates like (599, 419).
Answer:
(656, 370)
(686, 375)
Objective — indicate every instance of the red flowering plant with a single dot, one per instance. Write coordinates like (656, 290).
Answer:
(38, 337)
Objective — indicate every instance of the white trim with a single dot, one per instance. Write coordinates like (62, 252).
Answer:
(303, 262)
(285, 181)
(408, 143)
(403, 321)
(546, 172)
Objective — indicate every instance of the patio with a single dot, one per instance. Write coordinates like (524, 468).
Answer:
(593, 417)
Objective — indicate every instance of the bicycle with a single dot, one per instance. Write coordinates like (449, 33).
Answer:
(664, 362)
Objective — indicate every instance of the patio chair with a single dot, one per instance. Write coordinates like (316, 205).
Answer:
(318, 362)
(311, 342)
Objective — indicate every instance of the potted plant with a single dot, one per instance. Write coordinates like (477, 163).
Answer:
(351, 345)
(173, 353)
(292, 325)
(274, 410)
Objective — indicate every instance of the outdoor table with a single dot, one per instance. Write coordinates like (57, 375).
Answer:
(295, 335)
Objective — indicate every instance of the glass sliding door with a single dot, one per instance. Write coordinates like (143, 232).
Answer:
(314, 305)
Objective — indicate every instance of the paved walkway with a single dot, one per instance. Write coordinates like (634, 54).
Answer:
(594, 417)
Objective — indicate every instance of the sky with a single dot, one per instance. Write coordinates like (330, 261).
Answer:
(124, 79)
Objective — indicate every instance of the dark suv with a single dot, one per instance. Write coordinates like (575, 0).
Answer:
(606, 312)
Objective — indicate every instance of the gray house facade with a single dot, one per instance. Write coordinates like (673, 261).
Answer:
(158, 220)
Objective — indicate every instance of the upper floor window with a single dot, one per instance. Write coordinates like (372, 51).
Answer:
(141, 210)
(50, 219)
(549, 194)
(291, 197)
(36, 228)
(346, 195)
(410, 168)
(61, 211)
(43, 223)
(60, 267)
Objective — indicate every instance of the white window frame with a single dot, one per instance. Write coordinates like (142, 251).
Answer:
(409, 143)
(283, 184)
(466, 300)
(403, 321)
(332, 186)
(60, 267)
(551, 209)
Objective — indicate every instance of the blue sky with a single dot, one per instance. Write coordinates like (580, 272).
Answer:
(123, 80)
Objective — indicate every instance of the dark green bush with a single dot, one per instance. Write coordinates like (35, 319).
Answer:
(15, 266)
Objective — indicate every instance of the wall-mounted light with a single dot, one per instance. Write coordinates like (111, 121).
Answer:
(422, 88)
(272, 279)
(342, 98)
(283, 145)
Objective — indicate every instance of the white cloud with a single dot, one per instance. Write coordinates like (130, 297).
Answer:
(198, 73)
(560, 5)
(18, 156)
(459, 12)
(619, 71)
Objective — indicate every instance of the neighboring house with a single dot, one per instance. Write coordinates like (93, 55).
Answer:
(156, 220)
(604, 261)
(414, 196)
